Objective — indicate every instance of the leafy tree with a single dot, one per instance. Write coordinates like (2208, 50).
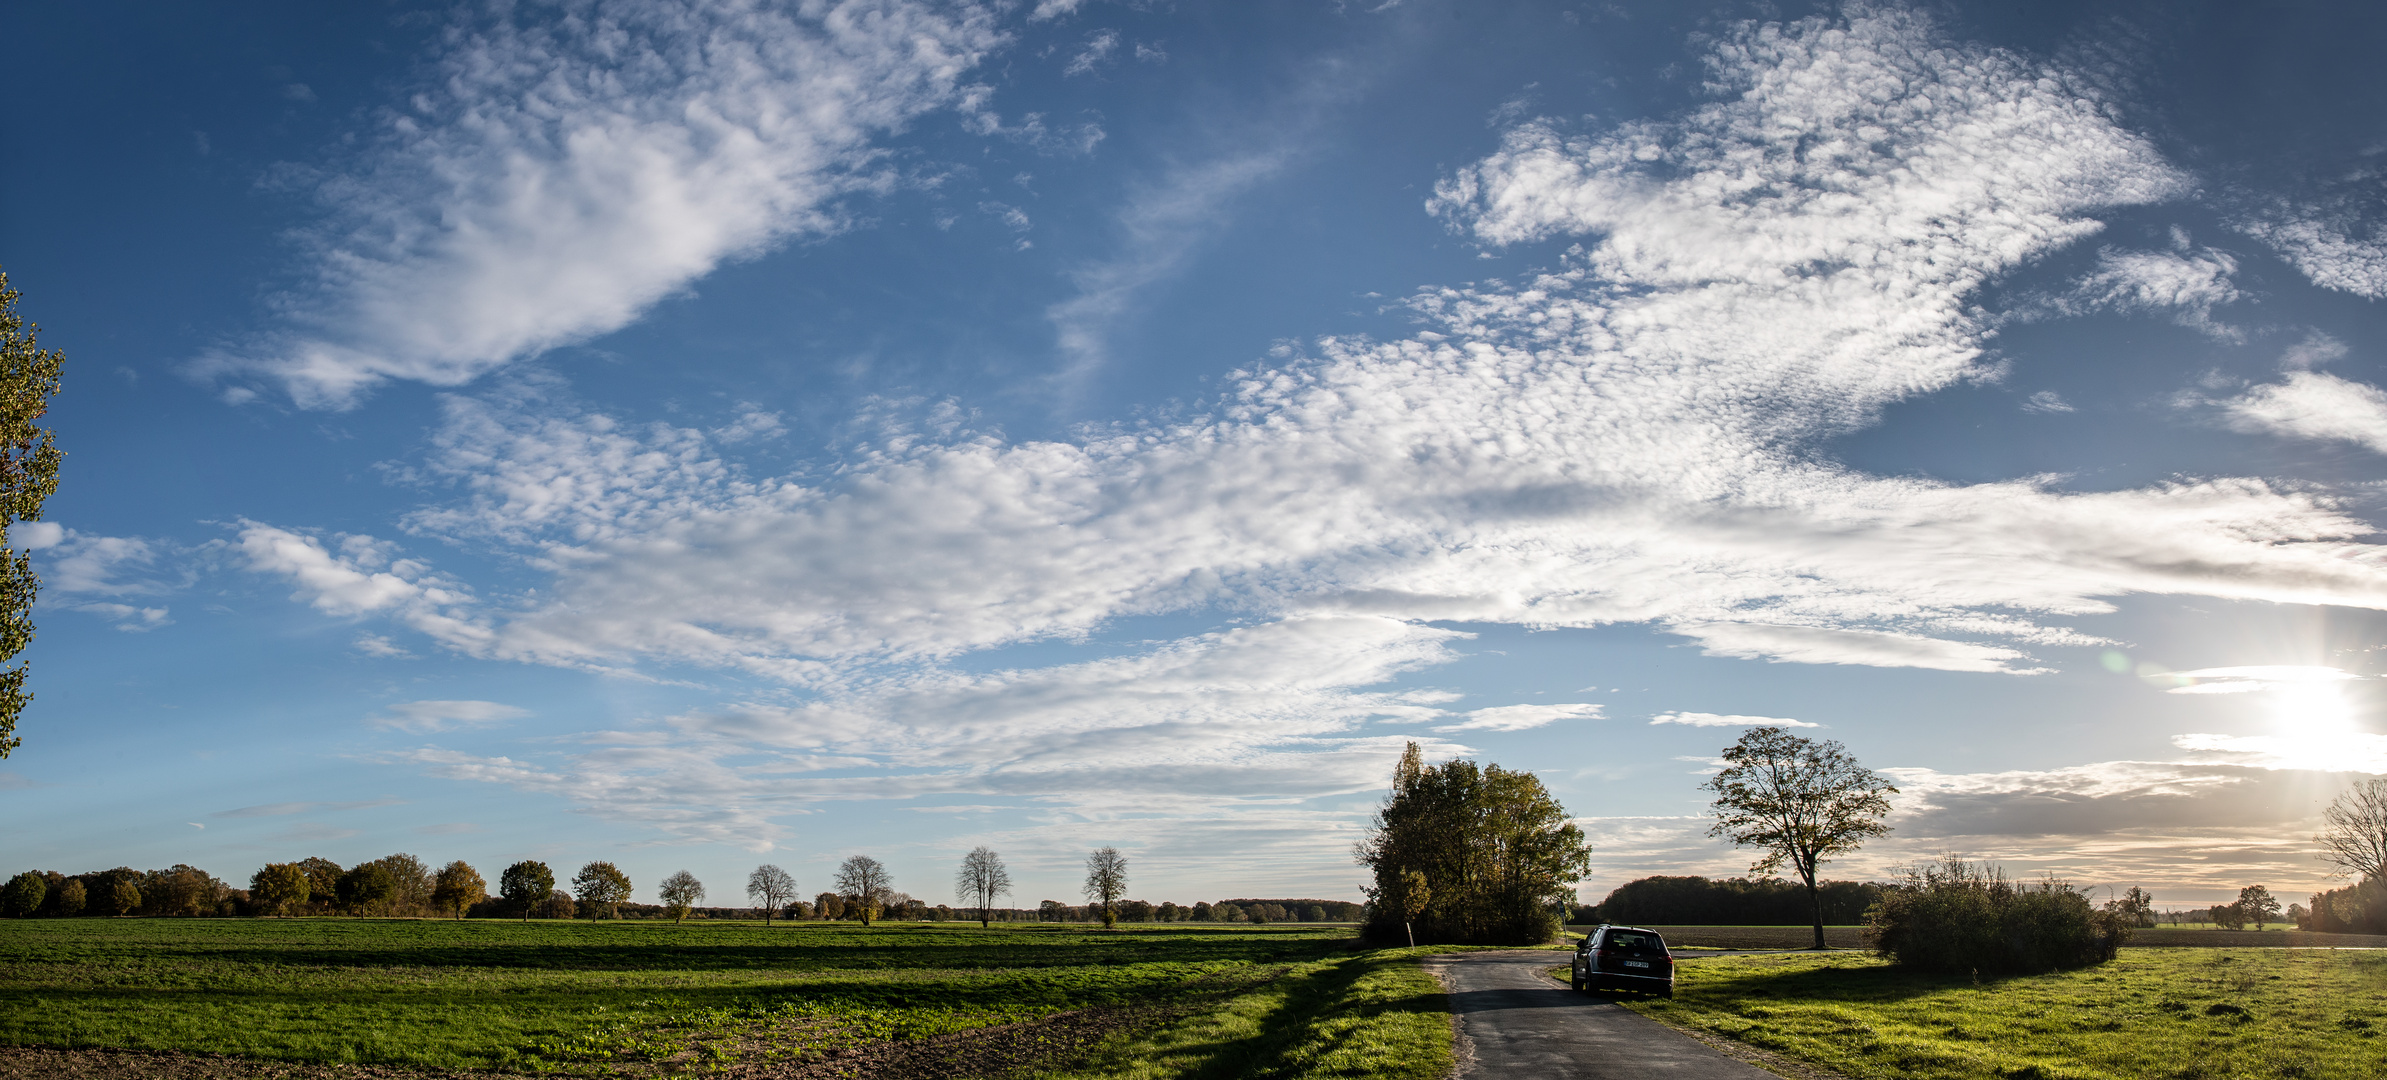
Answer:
(323, 878)
(982, 878)
(365, 885)
(1202, 912)
(280, 886)
(181, 890)
(2137, 906)
(771, 887)
(1498, 855)
(29, 460)
(411, 883)
(124, 898)
(456, 887)
(680, 892)
(24, 894)
(1106, 878)
(2227, 916)
(72, 897)
(2259, 905)
(829, 906)
(863, 881)
(1800, 800)
(526, 884)
(2354, 831)
(601, 886)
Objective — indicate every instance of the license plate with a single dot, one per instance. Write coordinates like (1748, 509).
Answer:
(1636, 963)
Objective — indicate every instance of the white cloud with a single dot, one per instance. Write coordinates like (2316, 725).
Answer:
(557, 174)
(2247, 679)
(1249, 721)
(2190, 284)
(2334, 751)
(428, 716)
(2328, 242)
(1709, 719)
(365, 577)
(35, 535)
(128, 617)
(2046, 401)
(1636, 437)
(1521, 717)
(1097, 52)
(1610, 443)
(1054, 9)
(2312, 405)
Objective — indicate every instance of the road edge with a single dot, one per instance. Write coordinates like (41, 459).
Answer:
(1788, 1068)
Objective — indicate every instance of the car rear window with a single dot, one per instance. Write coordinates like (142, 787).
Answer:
(1634, 941)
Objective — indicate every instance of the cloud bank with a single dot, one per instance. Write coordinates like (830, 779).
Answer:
(1631, 436)
(562, 170)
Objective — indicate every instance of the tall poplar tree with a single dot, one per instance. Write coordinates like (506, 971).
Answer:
(28, 475)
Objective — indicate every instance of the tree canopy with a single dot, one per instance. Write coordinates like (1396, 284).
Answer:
(1481, 855)
(29, 458)
(982, 877)
(1798, 800)
(680, 892)
(526, 884)
(866, 886)
(2354, 831)
(456, 887)
(772, 887)
(601, 886)
(1106, 879)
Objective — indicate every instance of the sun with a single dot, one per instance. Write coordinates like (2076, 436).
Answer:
(2312, 710)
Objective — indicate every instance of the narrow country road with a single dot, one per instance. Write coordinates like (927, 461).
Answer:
(1514, 1022)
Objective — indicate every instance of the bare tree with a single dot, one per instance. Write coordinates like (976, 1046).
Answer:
(864, 882)
(981, 879)
(772, 886)
(2354, 831)
(1106, 879)
(1802, 801)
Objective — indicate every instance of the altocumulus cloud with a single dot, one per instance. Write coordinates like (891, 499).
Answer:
(561, 170)
(1629, 437)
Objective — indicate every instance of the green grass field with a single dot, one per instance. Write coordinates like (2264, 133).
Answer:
(2188, 1014)
(638, 998)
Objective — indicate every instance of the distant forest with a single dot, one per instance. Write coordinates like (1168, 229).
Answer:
(1740, 901)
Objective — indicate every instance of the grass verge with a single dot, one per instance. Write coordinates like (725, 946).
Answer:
(1374, 1015)
(2202, 1014)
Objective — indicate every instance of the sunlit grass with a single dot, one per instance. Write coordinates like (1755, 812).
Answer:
(1375, 1015)
(2179, 1013)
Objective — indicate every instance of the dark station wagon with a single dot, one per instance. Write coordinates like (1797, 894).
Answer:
(1624, 959)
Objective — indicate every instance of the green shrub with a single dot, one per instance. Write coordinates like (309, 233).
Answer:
(1959, 916)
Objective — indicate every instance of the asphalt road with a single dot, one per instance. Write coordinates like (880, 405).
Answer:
(1515, 1022)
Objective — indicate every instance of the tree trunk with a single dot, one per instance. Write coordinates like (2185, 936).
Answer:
(1815, 896)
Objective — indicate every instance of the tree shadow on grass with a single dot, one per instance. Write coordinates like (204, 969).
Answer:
(1312, 1027)
(1871, 983)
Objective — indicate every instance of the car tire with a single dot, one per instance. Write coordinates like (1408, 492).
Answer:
(1577, 978)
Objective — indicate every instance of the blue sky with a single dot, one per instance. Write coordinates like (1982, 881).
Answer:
(697, 434)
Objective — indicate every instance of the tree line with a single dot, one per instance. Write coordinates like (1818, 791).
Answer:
(403, 885)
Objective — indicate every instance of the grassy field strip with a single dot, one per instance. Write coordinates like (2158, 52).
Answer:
(2186, 1014)
(1374, 1015)
(606, 999)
